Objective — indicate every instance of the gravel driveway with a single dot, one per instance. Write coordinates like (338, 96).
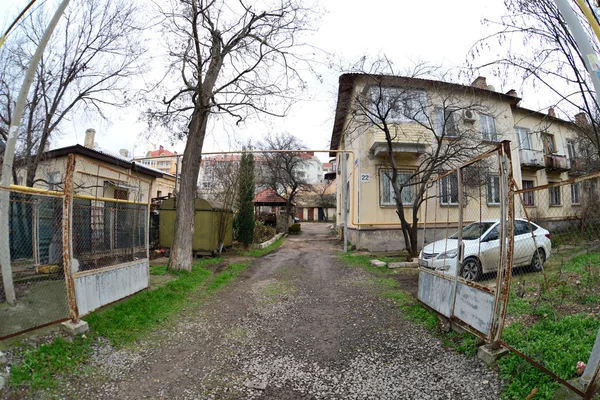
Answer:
(297, 324)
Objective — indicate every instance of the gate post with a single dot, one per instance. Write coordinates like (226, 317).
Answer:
(67, 226)
(506, 243)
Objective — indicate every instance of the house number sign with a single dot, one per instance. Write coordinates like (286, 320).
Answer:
(365, 177)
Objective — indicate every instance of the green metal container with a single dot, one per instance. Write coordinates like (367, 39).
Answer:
(210, 220)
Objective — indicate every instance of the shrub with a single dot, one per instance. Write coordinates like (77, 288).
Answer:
(262, 232)
(294, 229)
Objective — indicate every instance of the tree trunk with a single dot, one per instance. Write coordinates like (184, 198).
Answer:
(181, 249)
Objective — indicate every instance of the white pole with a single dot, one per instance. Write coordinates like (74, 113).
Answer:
(9, 155)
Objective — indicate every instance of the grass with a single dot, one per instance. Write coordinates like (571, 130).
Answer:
(412, 310)
(560, 343)
(122, 323)
(262, 252)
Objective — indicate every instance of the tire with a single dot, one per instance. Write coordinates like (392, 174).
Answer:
(537, 262)
(471, 269)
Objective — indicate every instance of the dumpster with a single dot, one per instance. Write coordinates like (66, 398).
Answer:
(211, 222)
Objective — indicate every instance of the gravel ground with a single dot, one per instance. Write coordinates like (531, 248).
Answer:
(296, 325)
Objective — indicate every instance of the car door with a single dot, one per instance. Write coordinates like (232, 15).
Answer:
(489, 252)
(523, 245)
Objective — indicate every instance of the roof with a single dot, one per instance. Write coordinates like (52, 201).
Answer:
(542, 115)
(103, 155)
(348, 81)
(160, 152)
(269, 196)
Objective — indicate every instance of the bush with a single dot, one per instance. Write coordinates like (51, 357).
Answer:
(262, 232)
(294, 229)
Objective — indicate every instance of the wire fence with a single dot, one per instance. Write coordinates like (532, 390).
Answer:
(78, 240)
(555, 290)
(35, 231)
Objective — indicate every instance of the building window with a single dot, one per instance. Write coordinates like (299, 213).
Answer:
(388, 197)
(444, 122)
(158, 193)
(528, 197)
(523, 138)
(549, 144)
(488, 127)
(399, 105)
(571, 149)
(554, 193)
(121, 194)
(576, 193)
(449, 190)
(53, 180)
(493, 190)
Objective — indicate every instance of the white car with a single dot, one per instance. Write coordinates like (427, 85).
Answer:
(482, 249)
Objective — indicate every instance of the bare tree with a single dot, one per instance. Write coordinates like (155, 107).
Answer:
(429, 117)
(282, 170)
(230, 59)
(86, 67)
(536, 46)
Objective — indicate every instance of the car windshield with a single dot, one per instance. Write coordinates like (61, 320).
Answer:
(474, 231)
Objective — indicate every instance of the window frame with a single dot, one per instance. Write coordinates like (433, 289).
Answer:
(444, 118)
(491, 188)
(548, 139)
(392, 199)
(557, 193)
(448, 193)
(577, 192)
(486, 134)
(52, 181)
(571, 150)
(399, 113)
(527, 195)
(520, 132)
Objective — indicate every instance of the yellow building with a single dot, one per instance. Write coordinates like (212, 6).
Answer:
(543, 151)
(159, 159)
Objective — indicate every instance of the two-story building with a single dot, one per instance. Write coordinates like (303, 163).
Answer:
(543, 150)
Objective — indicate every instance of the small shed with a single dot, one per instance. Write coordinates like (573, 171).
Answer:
(210, 222)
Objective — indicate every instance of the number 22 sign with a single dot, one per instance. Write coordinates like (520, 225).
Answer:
(365, 177)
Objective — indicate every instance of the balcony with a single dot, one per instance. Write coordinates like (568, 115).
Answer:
(556, 163)
(532, 159)
(408, 141)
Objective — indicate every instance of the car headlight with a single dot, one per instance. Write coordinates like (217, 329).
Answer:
(448, 254)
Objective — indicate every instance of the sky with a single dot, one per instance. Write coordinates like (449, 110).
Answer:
(440, 32)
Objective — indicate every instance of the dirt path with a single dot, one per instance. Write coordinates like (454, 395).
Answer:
(300, 325)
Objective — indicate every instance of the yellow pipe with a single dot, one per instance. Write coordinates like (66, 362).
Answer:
(108, 199)
(589, 16)
(27, 189)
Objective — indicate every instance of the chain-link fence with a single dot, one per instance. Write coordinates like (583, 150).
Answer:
(554, 302)
(78, 240)
(38, 279)
(462, 252)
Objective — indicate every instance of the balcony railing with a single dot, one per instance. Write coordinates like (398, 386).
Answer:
(407, 141)
(532, 159)
(556, 163)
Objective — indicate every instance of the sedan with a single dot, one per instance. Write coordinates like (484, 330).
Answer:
(482, 249)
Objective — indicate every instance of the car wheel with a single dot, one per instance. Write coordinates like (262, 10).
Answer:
(471, 269)
(537, 261)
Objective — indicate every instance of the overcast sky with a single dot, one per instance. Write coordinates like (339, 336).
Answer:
(437, 31)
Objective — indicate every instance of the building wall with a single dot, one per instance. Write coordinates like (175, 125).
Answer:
(374, 226)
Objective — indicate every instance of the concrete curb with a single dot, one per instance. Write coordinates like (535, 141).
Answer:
(268, 242)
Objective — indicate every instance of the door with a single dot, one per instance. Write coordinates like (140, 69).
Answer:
(490, 250)
(311, 214)
(524, 245)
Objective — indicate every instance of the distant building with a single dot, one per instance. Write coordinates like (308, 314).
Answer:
(161, 162)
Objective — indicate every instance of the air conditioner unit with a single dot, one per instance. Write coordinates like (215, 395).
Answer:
(469, 116)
